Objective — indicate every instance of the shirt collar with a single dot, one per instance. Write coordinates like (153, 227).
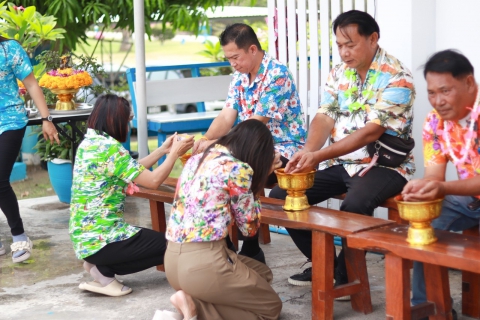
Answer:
(93, 134)
(261, 73)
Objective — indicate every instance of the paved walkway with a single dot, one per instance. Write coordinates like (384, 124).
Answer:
(46, 286)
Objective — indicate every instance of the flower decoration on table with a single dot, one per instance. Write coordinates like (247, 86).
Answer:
(21, 88)
(65, 83)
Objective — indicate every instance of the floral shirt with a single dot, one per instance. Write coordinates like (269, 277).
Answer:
(435, 150)
(385, 98)
(103, 169)
(272, 94)
(14, 63)
(207, 200)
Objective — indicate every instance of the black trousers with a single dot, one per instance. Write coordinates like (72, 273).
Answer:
(142, 251)
(363, 195)
(250, 243)
(10, 143)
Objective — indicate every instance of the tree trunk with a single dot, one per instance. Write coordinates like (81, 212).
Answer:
(126, 40)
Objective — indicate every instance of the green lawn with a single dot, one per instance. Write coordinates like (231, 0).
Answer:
(154, 51)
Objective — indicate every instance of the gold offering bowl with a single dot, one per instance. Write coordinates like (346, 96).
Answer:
(65, 98)
(420, 215)
(185, 158)
(296, 184)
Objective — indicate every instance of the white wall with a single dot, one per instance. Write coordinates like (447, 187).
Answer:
(412, 30)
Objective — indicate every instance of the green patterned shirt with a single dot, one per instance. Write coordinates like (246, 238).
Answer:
(103, 169)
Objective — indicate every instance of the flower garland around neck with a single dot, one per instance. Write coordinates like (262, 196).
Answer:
(469, 136)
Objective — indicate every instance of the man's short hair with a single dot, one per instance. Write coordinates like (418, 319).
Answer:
(240, 33)
(366, 24)
(448, 61)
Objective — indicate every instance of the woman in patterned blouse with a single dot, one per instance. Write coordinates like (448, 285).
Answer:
(215, 189)
(15, 64)
(103, 171)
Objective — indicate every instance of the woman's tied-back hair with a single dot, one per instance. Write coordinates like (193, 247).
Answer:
(366, 24)
(251, 142)
(110, 115)
(241, 34)
(448, 61)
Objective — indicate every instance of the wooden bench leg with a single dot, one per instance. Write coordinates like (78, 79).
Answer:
(357, 273)
(438, 290)
(264, 236)
(397, 287)
(322, 275)
(471, 287)
(159, 223)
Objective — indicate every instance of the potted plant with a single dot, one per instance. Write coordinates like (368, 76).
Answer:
(59, 159)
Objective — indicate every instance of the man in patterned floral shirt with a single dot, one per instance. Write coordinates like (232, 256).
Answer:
(371, 93)
(450, 133)
(262, 88)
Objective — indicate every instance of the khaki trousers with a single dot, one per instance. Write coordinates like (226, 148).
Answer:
(223, 285)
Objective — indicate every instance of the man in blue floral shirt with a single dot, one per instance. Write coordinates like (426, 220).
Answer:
(262, 88)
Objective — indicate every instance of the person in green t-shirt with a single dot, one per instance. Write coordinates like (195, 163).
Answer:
(104, 171)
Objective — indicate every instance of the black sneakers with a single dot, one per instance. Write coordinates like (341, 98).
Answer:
(305, 279)
(302, 279)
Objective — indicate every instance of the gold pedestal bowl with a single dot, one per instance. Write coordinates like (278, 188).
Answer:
(296, 184)
(420, 215)
(65, 98)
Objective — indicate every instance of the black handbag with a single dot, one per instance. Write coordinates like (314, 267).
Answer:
(392, 151)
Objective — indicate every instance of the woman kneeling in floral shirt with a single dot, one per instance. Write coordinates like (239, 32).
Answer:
(103, 170)
(215, 189)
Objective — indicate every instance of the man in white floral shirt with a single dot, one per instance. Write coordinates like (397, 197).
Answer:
(369, 94)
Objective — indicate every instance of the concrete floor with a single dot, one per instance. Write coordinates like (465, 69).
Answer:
(46, 285)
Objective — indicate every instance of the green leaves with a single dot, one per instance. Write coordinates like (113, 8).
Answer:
(50, 150)
(28, 27)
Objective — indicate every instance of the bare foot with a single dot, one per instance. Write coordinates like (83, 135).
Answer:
(183, 302)
(87, 266)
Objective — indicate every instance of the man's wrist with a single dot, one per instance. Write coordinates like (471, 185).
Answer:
(317, 156)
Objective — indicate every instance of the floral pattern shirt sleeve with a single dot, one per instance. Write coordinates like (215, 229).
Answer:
(207, 200)
(384, 98)
(103, 169)
(14, 63)
(272, 94)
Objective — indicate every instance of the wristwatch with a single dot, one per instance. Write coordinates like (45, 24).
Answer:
(48, 118)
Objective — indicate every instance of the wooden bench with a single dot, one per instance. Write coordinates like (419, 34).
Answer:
(325, 224)
(452, 250)
(470, 281)
(177, 91)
